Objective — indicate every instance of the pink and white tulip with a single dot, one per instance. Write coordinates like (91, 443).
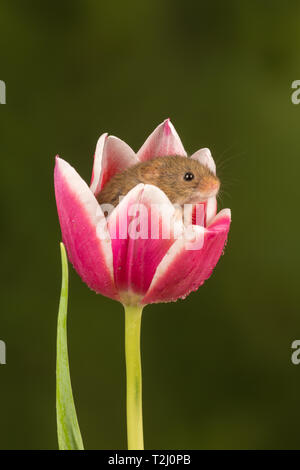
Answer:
(135, 270)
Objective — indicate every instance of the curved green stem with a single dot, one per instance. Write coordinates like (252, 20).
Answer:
(133, 316)
(69, 437)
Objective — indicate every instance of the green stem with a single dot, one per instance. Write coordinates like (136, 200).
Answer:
(69, 437)
(133, 316)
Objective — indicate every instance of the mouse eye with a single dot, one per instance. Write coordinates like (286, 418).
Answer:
(188, 176)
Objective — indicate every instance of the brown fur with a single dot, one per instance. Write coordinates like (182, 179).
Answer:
(167, 173)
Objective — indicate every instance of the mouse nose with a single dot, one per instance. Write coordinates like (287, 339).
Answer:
(210, 186)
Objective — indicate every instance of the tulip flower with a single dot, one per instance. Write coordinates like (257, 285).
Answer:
(136, 268)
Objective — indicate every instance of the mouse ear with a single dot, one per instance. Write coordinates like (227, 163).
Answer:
(149, 173)
(204, 156)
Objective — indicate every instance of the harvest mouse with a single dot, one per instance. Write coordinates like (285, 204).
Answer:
(184, 180)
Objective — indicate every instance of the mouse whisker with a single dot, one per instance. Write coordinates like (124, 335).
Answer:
(224, 193)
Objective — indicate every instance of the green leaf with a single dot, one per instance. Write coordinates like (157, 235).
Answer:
(69, 437)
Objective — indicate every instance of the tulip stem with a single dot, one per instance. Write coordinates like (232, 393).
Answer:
(133, 316)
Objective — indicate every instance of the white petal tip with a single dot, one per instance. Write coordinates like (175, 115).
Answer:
(204, 156)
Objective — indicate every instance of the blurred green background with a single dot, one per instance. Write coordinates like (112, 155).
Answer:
(217, 371)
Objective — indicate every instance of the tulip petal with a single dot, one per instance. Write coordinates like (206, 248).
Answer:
(163, 141)
(112, 156)
(199, 214)
(204, 212)
(142, 229)
(182, 271)
(211, 210)
(97, 163)
(80, 216)
(204, 156)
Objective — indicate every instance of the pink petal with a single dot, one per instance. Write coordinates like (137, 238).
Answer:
(112, 156)
(211, 209)
(199, 214)
(182, 271)
(136, 256)
(97, 163)
(163, 141)
(80, 216)
(206, 212)
(204, 156)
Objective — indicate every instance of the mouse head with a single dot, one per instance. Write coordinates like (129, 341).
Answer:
(184, 180)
